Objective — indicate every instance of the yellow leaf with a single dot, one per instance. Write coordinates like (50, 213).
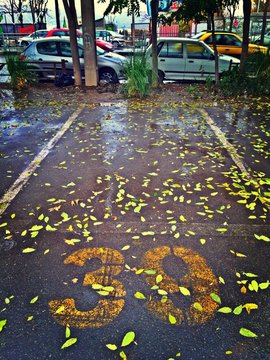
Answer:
(172, 319)
(35, 299)
(250, 306)
(126, 247)
(184, 291)
(139, 295)
(112, 347)
(28, 250)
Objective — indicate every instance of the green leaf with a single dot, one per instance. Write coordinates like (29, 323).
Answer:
(128, 338)
(2, 324)
(139, 295)
(112, 347)
(225, 310)
(247, 333)
(255, 285)
(150, 272)
(238, 310)
(216, 298)
(69, 342)
(67, 333)
(264, 285)
(159, 279)
(36, 228)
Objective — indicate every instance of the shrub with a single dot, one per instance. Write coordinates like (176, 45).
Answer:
(138, 74)
(254, 80)
(19, 72)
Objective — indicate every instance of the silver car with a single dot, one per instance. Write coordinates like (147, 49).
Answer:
(188, 59)
(54, 49)
(26, 40)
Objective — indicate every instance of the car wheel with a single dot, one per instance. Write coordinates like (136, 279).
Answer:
(115, 44)
(160, 76)
(108, 75)
(24, 43)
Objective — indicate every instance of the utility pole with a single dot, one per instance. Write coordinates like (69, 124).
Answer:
(89, 42)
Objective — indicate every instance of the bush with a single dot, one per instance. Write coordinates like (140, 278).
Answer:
(138, 74)
(19, 72)
(254, 80)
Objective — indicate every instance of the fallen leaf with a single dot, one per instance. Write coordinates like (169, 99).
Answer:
(69, 342)
(128, 338)
(247, 333)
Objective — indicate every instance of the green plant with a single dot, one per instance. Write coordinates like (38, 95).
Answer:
(194, 91)
(138, 73)
(20, 74)
(254, 80)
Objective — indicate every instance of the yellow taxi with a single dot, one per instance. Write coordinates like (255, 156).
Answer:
(228, 43)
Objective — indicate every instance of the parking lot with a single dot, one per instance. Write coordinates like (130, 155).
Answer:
(135, 229)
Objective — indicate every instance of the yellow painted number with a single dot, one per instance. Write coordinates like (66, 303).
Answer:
(108, 308)
(198, 283)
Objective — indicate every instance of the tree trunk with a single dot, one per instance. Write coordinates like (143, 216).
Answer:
(89, 36)
(265, 10)
(71, 15)
(215, 50)
(154, 14)
(246, 26)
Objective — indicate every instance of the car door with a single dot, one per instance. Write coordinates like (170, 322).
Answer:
(171, 61)
(229, 45)
(47, 52)
(66, 55)
(200, 62)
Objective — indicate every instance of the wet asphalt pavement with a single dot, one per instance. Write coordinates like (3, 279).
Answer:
(141, 217)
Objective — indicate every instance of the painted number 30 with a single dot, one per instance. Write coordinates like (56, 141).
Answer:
(199, 281)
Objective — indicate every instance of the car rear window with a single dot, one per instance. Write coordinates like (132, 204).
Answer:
(47, 48)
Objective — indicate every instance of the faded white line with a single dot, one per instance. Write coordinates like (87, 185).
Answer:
(16, 187)
(231, 149)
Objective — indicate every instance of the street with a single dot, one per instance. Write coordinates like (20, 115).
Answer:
(134, 229)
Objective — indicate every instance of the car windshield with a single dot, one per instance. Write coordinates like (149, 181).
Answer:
(197, 36)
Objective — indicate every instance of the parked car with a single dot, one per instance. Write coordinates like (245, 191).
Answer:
(55, 49)
(228, 43)
(111, 36)
(266, 40)
(61, 32)
(188, 59)
(26, 40)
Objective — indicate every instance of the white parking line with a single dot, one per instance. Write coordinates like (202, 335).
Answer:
(16, 187)
(227, 145)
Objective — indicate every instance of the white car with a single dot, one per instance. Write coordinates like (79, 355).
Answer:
(111, 36)
(26, 40)
(187, 59)
(55, 49)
